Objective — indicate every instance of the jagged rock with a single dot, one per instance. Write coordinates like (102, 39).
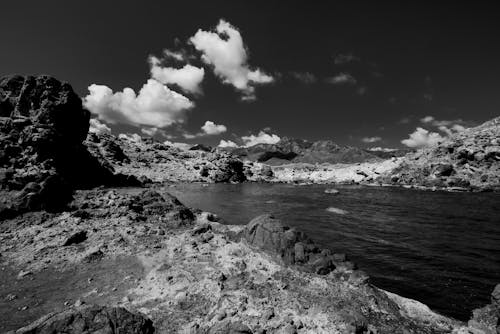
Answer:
(42, 127)
(90, 319)
(76, 238)
(201, 147)
(267, 233)
(228, 327)
(162, 208)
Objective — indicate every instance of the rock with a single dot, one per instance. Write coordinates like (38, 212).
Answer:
(90, 319)
(267, 233)
(228, 327)
(76, 238)
(162, 208)
(495, 296)
(42, 129)
(444, 170)
(200, 147)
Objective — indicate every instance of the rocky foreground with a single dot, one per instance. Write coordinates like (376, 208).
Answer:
(85, 248)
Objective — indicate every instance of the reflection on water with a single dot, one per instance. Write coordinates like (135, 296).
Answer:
(440, 248)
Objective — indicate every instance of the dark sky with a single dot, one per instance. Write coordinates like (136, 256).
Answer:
(409, 60)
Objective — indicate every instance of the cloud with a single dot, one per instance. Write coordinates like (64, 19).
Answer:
(261, 138)
(188, 78)
(345, 58)
(179, 56)
(98, 127)
(341, 79)
(225, 51)
(382, 149)
(150, 131)
(305, 77)
(427, 119)
(155, 105)
(210, 128)
(227, 143)
(371, 139)
(423, 138)
(361, 91)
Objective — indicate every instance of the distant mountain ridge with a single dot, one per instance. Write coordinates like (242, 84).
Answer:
(291, 150)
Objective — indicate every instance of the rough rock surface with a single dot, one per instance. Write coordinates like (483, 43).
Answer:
(91, 319)
(42, 158)
(188, 278)
(165, 163)
(469, 160)
(293, 247)
(487, 319)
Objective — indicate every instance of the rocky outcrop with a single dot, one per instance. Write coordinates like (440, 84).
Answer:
(293, 247)
(196, 276)
(469, 160)
(92, 319)
(42, 158)
(166, 163)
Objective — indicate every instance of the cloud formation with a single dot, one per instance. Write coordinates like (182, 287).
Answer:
(188, 78)
(224, 50)
(370, 139)
(305, 77)
(423, 138)
(382, 149)
(98, 127)
(150, 131)
(261, 138)
(227, 143)
(345, 58)
(342, 79)
(210, 128)
(155, 105)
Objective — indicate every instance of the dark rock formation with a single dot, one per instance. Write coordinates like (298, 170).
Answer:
(162, 208)
(291, 246)
(90, 319)
(42, 158)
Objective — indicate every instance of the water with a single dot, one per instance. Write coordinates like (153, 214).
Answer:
(440, 248)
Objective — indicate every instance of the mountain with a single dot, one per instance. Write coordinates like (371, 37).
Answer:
(469, 159)
(290, 150)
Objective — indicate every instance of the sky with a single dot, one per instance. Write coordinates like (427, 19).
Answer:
(362, 73)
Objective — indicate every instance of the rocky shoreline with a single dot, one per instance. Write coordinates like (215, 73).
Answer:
(92, 242)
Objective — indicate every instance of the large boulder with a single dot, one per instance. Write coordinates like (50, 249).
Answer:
(42, 128)
(90, 320)
(291, 246)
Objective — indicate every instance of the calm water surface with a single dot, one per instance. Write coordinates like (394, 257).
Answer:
(440, 248)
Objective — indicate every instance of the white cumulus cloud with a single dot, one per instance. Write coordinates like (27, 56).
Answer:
(261, 138)
(188, 78)
(98, 127)
(210, 128)
(227, 143)
(370, 139)
(156, 105)
(423, 138)
(225, 51)
(342, 79)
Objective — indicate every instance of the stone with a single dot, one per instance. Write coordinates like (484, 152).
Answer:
(293, 247)
(76, 238)
(91, 319)
(495, 296)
